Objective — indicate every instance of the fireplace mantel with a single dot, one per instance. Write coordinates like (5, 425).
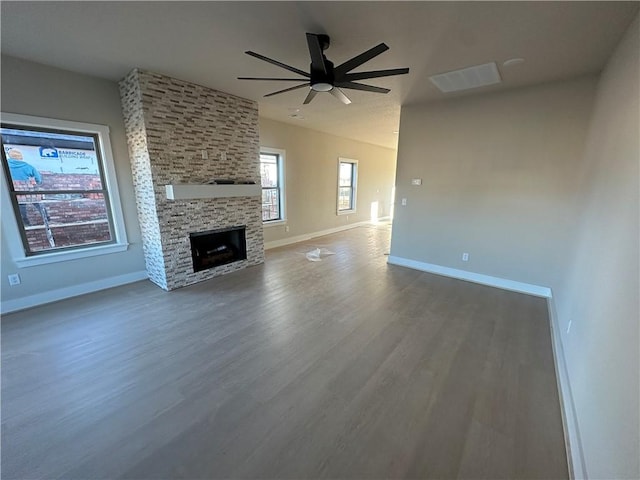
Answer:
(193, 191)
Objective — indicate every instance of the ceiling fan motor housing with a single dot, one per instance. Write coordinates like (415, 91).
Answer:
(321, 79)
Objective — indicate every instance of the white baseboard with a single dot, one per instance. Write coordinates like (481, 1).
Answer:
(503, 283)
(573, 442)
(68, 292)
(308, 236)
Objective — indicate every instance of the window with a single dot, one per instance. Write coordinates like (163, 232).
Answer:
(61, 187)
(272, 179)
(347, 180)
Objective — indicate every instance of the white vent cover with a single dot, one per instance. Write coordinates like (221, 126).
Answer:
(466, 78)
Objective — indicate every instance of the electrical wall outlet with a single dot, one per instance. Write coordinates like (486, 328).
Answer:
(416, 181)
(465, 257)
(404, 202)
(286, 228)
(14, 279)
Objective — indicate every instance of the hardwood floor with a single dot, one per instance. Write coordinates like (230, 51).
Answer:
(345, 368)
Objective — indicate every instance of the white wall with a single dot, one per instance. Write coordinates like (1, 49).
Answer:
(33, 89)
(600, 290)
(312, 178)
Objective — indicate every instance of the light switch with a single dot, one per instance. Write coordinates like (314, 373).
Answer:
(404, 202)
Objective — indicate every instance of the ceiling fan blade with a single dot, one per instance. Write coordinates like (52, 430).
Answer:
(349, 77)
(339, 94)
(310, 96)
(361, 86)
(279, 64)
(276, 79)
(360, 59)
(315, 50)
(287, 90)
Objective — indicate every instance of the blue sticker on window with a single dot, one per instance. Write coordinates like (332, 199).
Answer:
(48, 152)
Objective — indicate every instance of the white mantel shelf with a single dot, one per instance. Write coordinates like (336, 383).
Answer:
(193, 191)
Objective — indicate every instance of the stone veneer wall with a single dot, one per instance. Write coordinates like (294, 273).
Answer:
(169, 122)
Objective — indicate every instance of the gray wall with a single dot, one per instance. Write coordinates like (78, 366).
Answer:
(600, 289)
(498, 181)
(541, 185)
(32, 89)
(312, 176)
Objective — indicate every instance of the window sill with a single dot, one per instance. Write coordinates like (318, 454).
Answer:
(274, 223)
(346, 212)
(69, 255)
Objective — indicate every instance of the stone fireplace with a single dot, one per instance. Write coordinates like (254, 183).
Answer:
(185, 135)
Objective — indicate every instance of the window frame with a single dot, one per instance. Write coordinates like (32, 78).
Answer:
(14, 233)
(280, 154)
(354, 186)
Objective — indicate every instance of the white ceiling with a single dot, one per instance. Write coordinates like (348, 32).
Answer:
(203, 42)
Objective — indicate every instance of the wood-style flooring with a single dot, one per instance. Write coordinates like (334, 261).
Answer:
(344, 368)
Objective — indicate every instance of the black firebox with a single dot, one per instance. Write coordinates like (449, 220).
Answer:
(218, 247)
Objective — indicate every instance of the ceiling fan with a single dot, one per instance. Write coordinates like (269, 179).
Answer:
(324, 77)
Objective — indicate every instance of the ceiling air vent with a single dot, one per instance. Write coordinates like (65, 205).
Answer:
(466, 78)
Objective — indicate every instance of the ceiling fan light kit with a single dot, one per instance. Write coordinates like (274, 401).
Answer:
(321, 87)
(324, 77)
